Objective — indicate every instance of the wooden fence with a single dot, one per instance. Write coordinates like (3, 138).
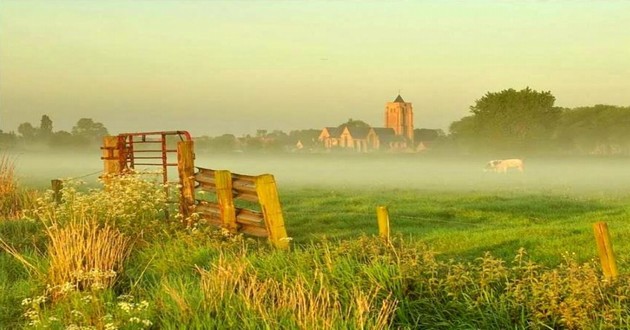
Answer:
(227, 188)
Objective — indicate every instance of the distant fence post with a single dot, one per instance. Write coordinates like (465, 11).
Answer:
(186, 169)
(270, 204)
(56, 185)
(382, 215)
(604, 246)
(225, 197)
(111, 161)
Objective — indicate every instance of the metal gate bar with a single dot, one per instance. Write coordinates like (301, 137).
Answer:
(129, 146)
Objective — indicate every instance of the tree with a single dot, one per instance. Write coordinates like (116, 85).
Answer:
(63, 139)
(45, 126)
(27, 131)
(355, 123)
(89, 130)
(510, 120)
(600, 129)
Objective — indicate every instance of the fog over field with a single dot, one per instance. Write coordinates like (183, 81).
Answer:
(378, 171)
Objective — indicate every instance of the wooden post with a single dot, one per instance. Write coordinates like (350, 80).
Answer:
(186, 169)
(223, 181)
(604, 246)
(111, 163)
(382, 215)
(56, 185)
(272, 211)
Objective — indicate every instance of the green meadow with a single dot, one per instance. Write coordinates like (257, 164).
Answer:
(468, 250)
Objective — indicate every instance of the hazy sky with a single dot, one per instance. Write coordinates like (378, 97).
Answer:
(215, 67)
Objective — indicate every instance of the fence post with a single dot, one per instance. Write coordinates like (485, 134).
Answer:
(225, 197)
(272, 211)
(111, 163)
(186, 169)
(56, 185)
(382, 215)
(604, 246)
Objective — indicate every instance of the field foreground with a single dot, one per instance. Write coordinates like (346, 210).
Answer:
(493, 258)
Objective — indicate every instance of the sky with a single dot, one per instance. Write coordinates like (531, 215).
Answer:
(215, 67)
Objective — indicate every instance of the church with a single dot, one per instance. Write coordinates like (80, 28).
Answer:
(397, 135)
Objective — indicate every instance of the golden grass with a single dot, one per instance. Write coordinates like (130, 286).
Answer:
(310, 304)
(85, 255)
(8, 183)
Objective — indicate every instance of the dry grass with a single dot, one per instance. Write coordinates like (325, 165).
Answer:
(10, 204)
(308, 304)
(8, 183)
(85, 255)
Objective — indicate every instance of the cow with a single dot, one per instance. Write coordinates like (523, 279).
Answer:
(502, 165)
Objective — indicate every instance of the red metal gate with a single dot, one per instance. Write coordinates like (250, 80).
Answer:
(146, 149)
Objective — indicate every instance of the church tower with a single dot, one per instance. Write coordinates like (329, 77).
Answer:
(399, 116)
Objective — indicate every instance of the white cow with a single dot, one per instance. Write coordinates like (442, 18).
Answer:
(502, 165)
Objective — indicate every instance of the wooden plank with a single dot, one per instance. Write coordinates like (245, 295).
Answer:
(243, 216)
(225, 198)
(250, 217)
(246, 196)
(272, 210)
(186, 168)
(111, 163)
(254, 231)
(382, 216)
(604, 247)
(244, 186)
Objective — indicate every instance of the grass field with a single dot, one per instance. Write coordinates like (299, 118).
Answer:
(470, 250)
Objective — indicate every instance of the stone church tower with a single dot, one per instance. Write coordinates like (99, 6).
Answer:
(399, 116)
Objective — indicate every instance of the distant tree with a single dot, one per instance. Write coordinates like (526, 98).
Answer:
(63, 139)
(7, 140)
(427, 134)
(225, 142)
(355, 123)
(511, 120)
(276, 141)
(250, 143)
(89, 130)
(308, 138)
(27, 131)
(600, 129)
(45, 126)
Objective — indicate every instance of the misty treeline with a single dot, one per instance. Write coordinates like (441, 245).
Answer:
(262, 141)
(86, 133)
(528, 122)
(511, 122)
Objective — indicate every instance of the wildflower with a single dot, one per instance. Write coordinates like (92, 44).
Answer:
(125, 306)
(110, 326)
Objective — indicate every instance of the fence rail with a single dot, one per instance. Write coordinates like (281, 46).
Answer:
(228, 187)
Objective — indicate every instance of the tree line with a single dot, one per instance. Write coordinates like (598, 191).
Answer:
(528, 122)
(86, 133)
(510, 122)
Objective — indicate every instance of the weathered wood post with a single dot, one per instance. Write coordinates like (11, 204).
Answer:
(56, 185)
(111, 161)
(382, 215)
(604, 246)
(225, 197)
(186, 170)
(272, 210)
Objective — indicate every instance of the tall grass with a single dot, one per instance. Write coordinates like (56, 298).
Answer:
(85, 255)
(12, 199)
